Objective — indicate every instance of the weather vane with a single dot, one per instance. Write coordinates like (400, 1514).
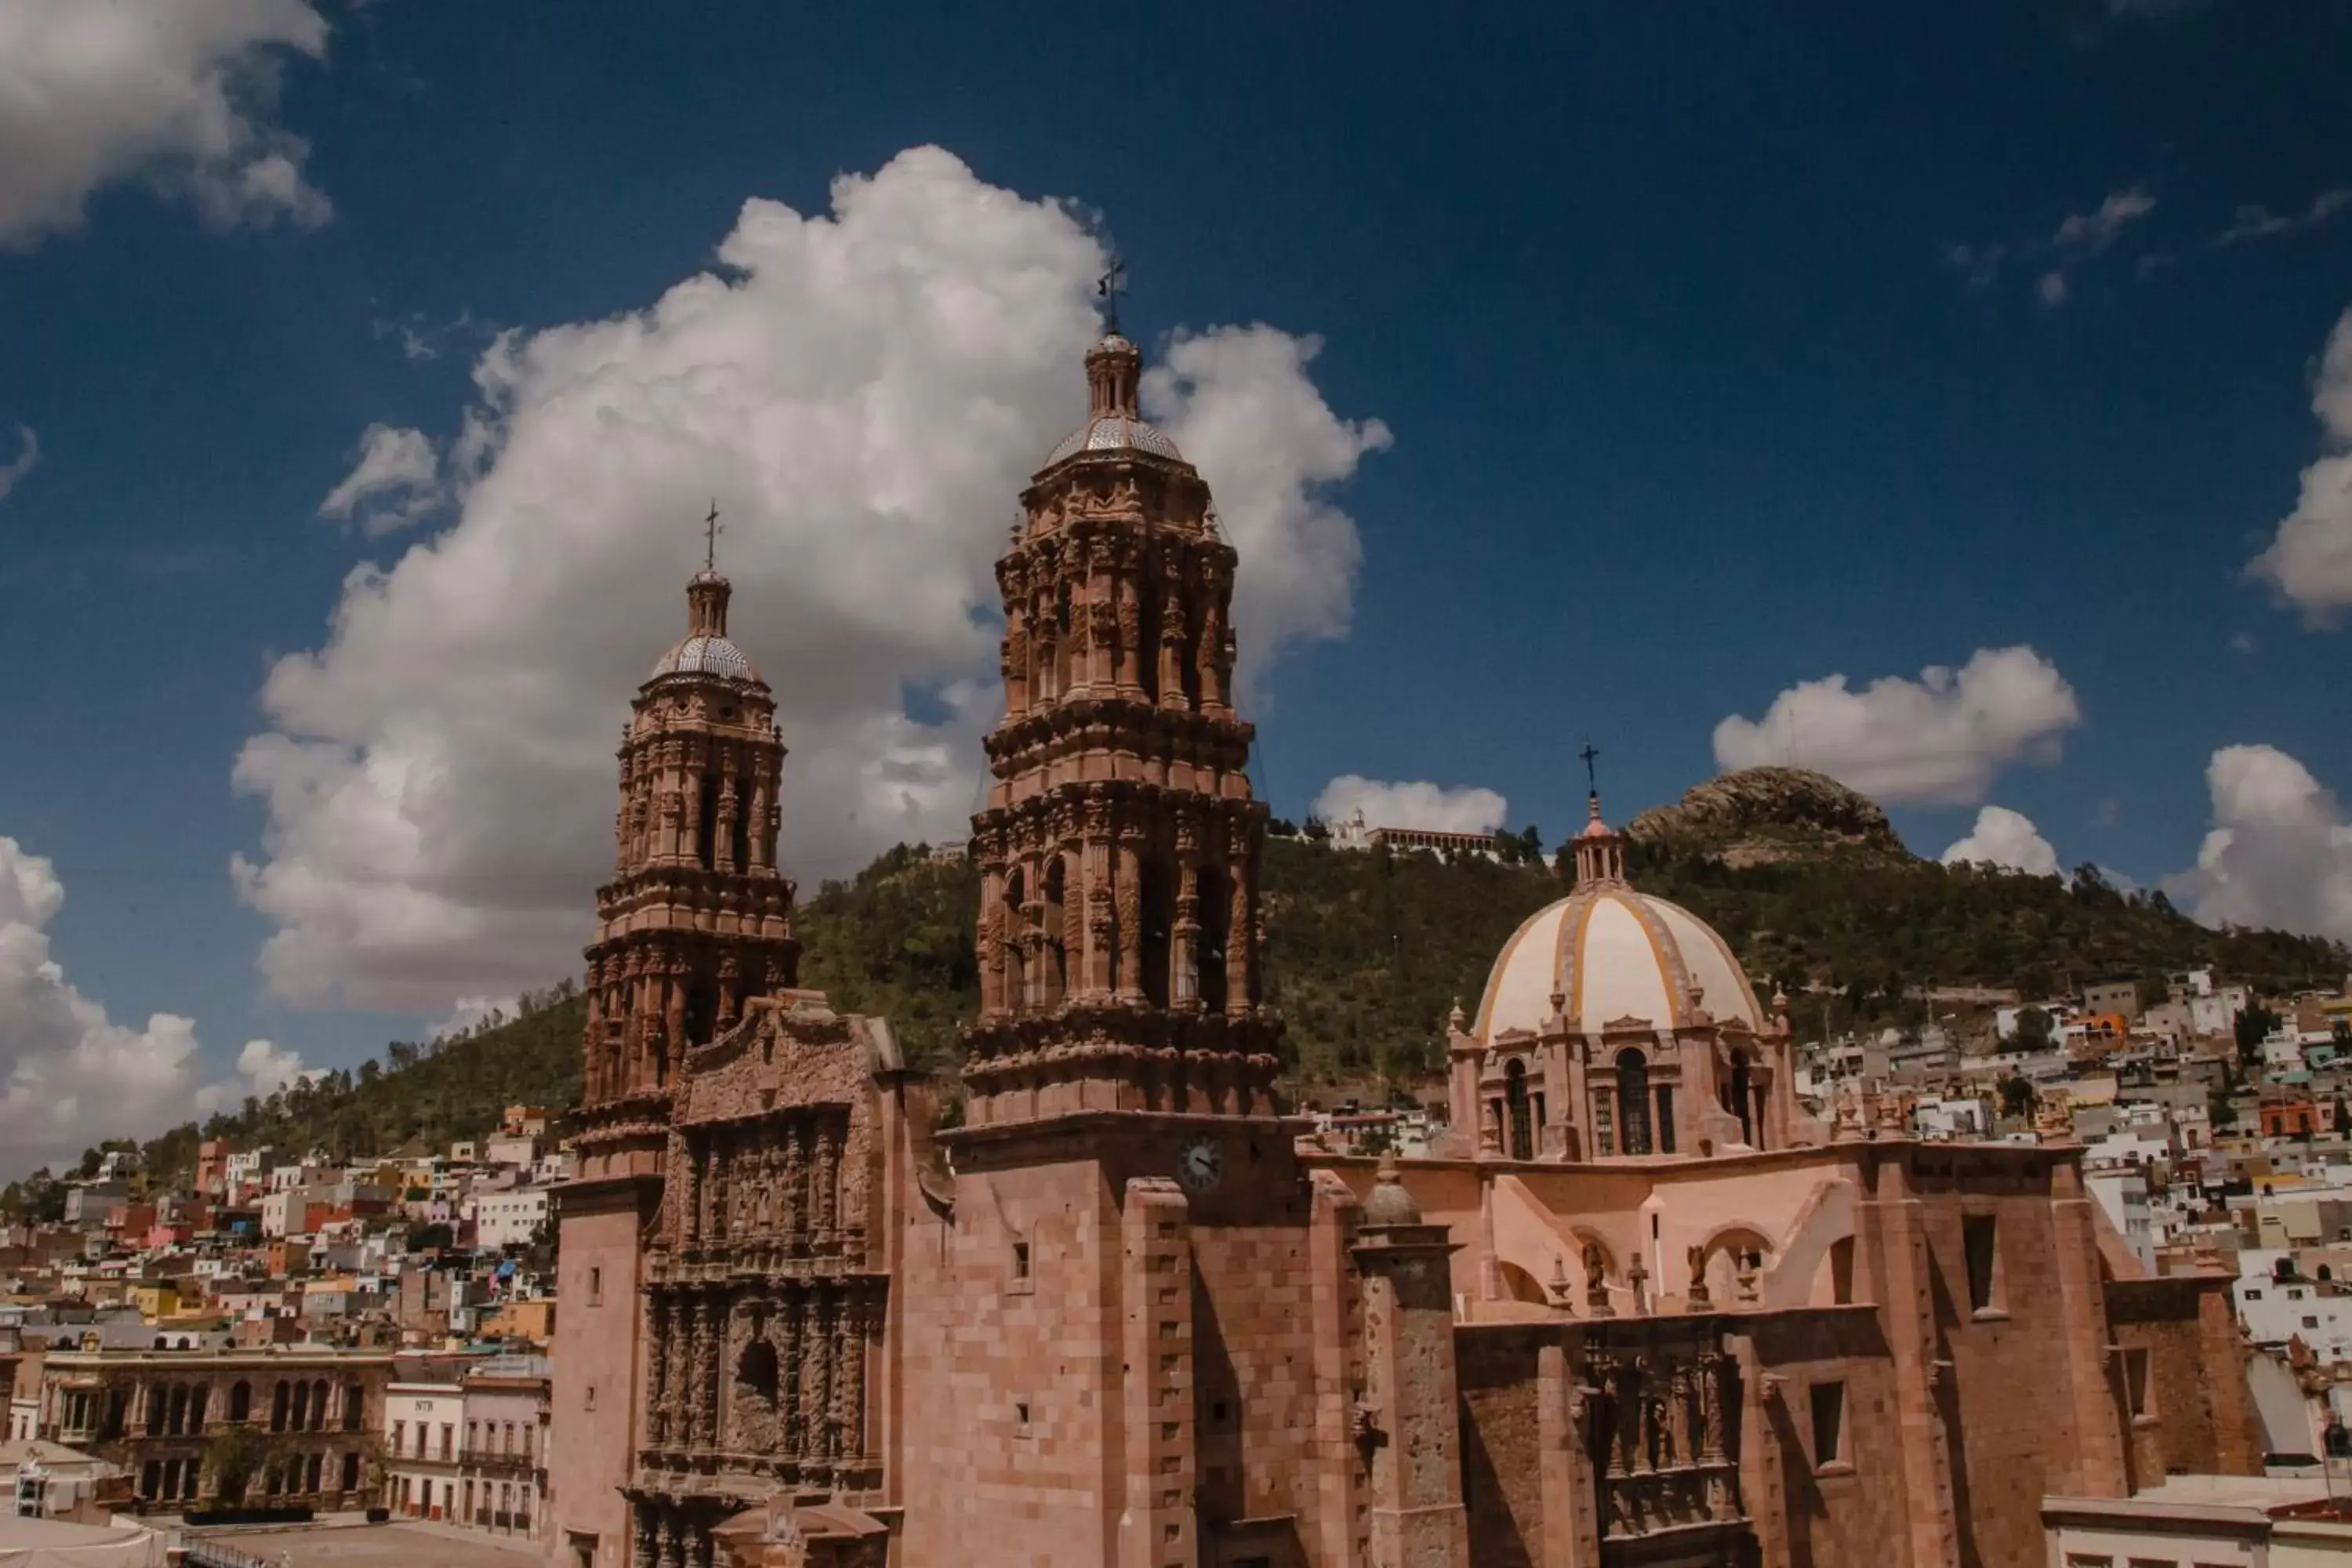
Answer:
(1107, 287)
(711, 532)
(1591, 755)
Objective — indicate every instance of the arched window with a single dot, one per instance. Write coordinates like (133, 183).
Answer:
(1065, 650)
(354, 1407)
(318, 1417)
(705, 826)
(159, 1399)
(1216, 906)
(1515, 1107)
(279, 1399)
(240, 1401)
(178, 1422)
(755, 1371)
(1016, 951)
(1740, 1100)
(1158, 915)
(1633, 1102)
(743, 822)
(196, 1404)
(1054, 981)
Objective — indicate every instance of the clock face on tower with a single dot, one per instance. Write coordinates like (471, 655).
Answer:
(1201, 1165)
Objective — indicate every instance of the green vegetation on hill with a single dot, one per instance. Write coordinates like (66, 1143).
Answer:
(1365, 954)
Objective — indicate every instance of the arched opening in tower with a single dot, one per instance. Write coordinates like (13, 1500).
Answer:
(1158, 901)
(706, 825)
(1063, 650)
(743, 846)
(1215, 901)
(1013, 951)
(1740, 1099)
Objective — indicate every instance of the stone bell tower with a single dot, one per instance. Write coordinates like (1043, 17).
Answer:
(696, 921)
(1120, 923)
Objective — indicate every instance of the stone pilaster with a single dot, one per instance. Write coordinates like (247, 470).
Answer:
(1410, 1398)
(2100, 1468)
(1157, 1525)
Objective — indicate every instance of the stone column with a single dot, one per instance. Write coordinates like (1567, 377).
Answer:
(1101, 926)
(792, 1420)
(647, 1548)
(855, 1316)
(817, 1392)
(1416, 1516)
(1184, 938)
(1241, 921)
(828, 1180)
(992, 937)
(1128, 892)
(707, 1368)
(656, 1372)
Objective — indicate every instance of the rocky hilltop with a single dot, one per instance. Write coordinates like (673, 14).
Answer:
(1764, 817)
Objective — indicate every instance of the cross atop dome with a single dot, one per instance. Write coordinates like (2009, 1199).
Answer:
(1599, 849)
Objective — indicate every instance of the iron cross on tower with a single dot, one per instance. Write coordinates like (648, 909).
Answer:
(711, 532)
(1109, 288)
(1591, 754)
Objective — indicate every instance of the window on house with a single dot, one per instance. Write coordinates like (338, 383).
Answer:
(1021, 1417)
(1021, 1260)
(1829, 1424)
(2309, 1322)
(590, 1403)
(1977, 1237)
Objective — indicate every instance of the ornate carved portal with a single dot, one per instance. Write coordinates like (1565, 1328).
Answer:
(1660, 1428)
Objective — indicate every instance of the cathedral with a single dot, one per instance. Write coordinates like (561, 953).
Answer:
(1640, 1308)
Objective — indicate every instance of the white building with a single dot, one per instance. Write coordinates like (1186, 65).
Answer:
(2276, 1310)
(509, 1218)
(421, 1422)
(2121, 1192)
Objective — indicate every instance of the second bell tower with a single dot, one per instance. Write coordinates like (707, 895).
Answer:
(1119, 922)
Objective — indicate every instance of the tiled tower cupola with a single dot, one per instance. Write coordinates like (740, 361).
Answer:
(696, 919)
(1119, 922)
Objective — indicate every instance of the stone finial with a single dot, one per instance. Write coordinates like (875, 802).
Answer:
(1458, 1020)
(1749, 1262)
(1389, 1203)
(1558, 1288)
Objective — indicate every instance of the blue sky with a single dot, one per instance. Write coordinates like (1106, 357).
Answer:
(1714, 350)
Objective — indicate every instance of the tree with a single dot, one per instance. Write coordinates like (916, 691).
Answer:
(2017, 1097)
(234, 1458)
(2253, 1026)
(2032, 1029)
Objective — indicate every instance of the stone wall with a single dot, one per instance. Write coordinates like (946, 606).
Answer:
(2182, 1366)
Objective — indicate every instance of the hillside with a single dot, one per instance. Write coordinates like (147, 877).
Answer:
(1761, 817)
(1366, 953)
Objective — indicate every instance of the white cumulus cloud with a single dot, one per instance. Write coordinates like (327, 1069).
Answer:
(2280, 850)
(69, 1076)
(181, 91)
(395, 481)
(864, 392)
(1462, 808)
(1942, 738)
(263, 1068)
(27, 459)
(2309, 561)
(2007, 839)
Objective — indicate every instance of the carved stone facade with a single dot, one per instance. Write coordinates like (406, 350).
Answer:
(1120, 924)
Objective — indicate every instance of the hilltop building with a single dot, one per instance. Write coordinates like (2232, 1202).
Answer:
(1642, 1309)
